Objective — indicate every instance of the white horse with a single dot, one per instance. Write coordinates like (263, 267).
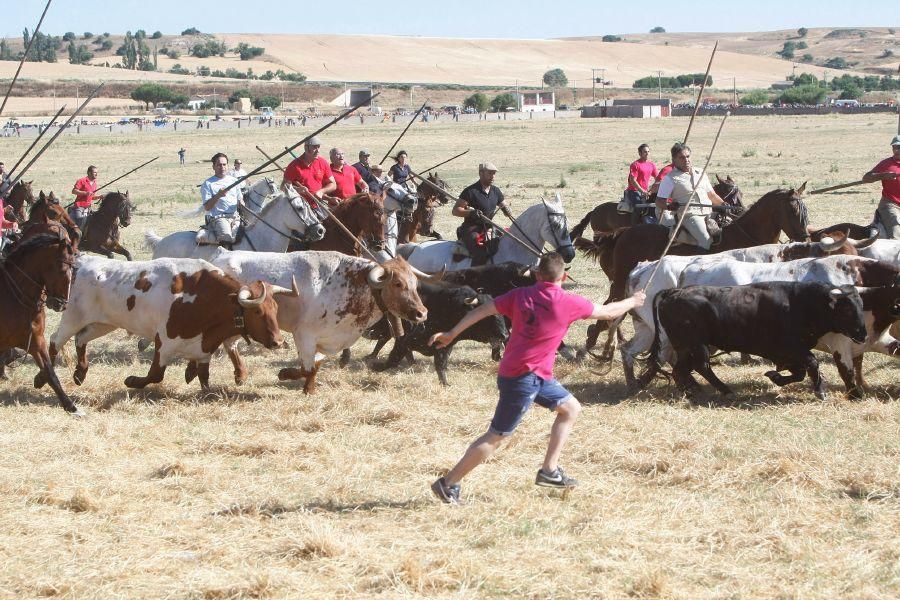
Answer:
(281, 215)
(397, 200)
(539, 224)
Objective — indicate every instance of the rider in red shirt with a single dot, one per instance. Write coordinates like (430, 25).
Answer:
(347, 178)
(310, 174)
(84, 191)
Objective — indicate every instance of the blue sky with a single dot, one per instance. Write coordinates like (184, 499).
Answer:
(442, 18)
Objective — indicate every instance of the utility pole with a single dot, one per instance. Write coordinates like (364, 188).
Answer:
(659, 83)
(734, 90)
(574, 93)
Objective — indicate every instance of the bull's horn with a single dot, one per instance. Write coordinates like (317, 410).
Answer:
(863, 243)
(426, 277)
(473, 301)
(378, 276)
(245, 300)
(294, 291)
(830, 244)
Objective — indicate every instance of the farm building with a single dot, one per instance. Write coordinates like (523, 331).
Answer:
(536, 101)
(634, 108)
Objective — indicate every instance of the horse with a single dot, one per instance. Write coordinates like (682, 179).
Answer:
(363, 214)
(14, 204)
(101, 229)
(618, 253)
(37, 272)
(421, 222)
(541, 223)
(44, 213)
(606, 218)
(280, 215)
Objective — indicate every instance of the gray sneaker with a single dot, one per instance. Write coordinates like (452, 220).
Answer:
(557, 479)
(448, 494)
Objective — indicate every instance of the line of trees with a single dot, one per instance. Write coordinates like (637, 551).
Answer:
(154, 93)
(42, 50)
(481, 103)
(678, 81)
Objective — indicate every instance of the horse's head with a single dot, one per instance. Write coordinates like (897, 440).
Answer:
(307, 221)
(795, 218)
(728, 191)
(778, 210)
(365, 213)
(21, 194)
(122, 206)
(48, 259)
(261, 190)
(398, 198)
(429, 194)
(555, 227)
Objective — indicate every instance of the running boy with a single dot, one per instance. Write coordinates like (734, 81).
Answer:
(541, 315)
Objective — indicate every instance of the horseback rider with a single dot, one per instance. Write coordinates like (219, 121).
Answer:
(641, 174)
(310, 174)
(6, 228)
(84, 191)
(4, 180)
(888, 173)
(481, 199)
(678, 189)
(400, 171)
(221, 206)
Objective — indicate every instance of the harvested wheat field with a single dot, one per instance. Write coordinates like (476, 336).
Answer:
(259, 491)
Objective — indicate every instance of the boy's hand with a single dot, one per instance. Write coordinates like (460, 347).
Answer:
(440, 340)
(639, 298)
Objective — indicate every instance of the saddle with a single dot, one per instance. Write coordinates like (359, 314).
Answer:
(205, 237)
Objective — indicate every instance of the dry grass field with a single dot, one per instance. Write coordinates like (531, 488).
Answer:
(261, 492)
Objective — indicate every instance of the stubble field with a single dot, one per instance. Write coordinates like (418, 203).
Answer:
(260, 491)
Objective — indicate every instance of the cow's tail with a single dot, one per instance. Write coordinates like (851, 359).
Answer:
(578, 230)
(151, 239)
(653, 364)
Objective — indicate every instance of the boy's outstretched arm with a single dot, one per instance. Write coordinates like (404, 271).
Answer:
(446, 337)
(614, 310)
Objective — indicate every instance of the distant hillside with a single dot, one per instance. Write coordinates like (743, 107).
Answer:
(748, 58)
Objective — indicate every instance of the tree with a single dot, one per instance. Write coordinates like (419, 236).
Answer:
(788, 50)
(555, 78)
(851, 92)
(191, 31)
(836, 63)
(658, 29)
(755, 98)
(152, 93)
(246, 51)
(803, 94)
(802, 45)
(501, 102)
(5, 52)
(156, 35)
(802, 32)
(612, 38)
(238, 94)
(807, 58)
(79, 55)
(68, 36)
(806, 79)
(87, 35)
(270, 101)
(478, 101)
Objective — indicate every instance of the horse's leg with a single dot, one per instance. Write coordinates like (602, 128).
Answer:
(39, 352)
(119, 249)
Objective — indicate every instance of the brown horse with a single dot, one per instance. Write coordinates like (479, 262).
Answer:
(422, 221)
(605, 218)
(101, 230)
(363, 215)
(37, 272)
(47, 212)
(14, 204)
(618, 253)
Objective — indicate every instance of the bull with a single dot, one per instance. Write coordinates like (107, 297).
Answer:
(187, 306)
(779, 321)
(447, 305)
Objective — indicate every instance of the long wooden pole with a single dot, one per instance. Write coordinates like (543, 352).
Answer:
(36, 140)
(842, 186)
(408, 125)
(441, 164)
(56, 135)
(125, 175)
(24, 56)
(700, 95)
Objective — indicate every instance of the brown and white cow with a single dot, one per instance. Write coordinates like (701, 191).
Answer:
(187, 306)
(340, 297)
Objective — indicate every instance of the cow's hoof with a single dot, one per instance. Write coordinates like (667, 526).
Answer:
(856, 393)
(79, 376)
(143, 344)
(190, 372)
(345, 358)
(240, 378)
(78, 413)
(822, 396)
(290, 373)
(378, 367)
(39, 380)
(134, 382)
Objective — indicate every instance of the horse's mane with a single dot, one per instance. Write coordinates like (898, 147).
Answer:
(804, 214)
(39, 204)
(31, 244)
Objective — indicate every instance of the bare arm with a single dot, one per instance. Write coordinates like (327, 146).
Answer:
(461, 209)
(714, 198)
(873, 176)
(443, 339)
(329, 187)
(615, 310)
(633, 182)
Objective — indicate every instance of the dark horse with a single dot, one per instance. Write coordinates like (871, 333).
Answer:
(618, 253)
(36, 272)
(47, 212)
(101, 230)
(605, 218)
(363, 215)
(422, 221)
(14, 204)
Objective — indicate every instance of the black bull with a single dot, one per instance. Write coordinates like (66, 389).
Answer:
(779, 321)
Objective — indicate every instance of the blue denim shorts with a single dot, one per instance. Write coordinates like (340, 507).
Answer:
(517, 394)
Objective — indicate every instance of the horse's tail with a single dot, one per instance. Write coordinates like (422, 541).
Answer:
(597, 250)
(151, 239)
(579, 229)
(190, 214)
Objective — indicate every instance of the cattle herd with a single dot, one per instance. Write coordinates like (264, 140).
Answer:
(776, 301)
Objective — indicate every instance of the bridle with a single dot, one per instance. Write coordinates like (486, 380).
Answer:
(303, 239)
(557, 244)
(44, 297)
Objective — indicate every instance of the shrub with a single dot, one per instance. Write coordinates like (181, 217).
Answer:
(179, 70)
(803, 94)
(807, 58)
(836, 63)
(478, 101)
(191, 31)
(270, 101)
(802, 31)
(755, 98)
(555, 78)
(156, 35)
(502, 101)
(246, 51)
(68, 36)
(788, 50)
(851, 92)
(658, 29)
(611, 38)
(87, 35)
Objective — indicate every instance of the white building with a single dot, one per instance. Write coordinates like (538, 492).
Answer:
(539, 101)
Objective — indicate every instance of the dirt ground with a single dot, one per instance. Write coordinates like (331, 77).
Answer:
(260, 491)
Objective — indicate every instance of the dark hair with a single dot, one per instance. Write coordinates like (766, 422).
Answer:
(678, 148)
(89, 169)
(551, 267)
(403, 152)
(642, 146)
(217, 156)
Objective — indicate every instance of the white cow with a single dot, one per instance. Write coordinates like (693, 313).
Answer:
(281, 215)
(833, 270)
(187, 306)
(340, 297)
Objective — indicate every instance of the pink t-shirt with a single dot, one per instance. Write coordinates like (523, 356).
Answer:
(642, 173)
(890, 188)
(540, 315)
